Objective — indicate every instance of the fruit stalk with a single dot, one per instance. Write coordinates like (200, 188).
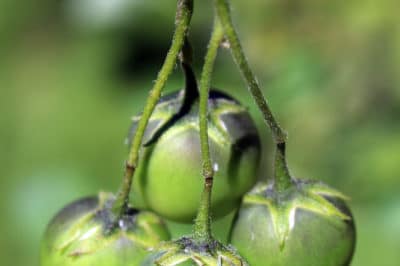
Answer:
(202, 229)
(224, 15)
(283, 179)
(182, 23)
(279, 135)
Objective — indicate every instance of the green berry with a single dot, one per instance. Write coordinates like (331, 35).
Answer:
(308, 224)
(169, 178)
(81, 234)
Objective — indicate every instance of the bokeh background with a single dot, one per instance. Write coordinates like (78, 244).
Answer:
(73, 72)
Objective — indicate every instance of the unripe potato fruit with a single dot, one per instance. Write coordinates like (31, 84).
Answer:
(307, 225)
(78, 235)
(169, 177)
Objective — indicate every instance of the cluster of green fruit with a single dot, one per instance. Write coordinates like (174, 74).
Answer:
(288, 221)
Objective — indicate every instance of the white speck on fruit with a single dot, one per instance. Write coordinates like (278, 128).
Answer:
(292, 218)
(89, 233)
(121, 224)
(216, 167)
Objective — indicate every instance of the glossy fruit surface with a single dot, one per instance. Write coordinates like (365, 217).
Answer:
(169, 177)
(307, 225)
(77, 235)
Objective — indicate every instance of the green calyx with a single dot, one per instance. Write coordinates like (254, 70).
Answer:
(187, 251)
(167, 115)
(302, 194)
(90, 233)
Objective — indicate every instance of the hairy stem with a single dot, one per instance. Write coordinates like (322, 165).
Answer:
(224, 15)
(282, 177)
(182, 22)
(202, 227)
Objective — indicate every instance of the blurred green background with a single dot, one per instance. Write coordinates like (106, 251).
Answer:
(73, 72)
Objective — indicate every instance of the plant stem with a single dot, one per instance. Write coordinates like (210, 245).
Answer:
(224, 15)
(282, 177)
(182, 22)
(202, 227)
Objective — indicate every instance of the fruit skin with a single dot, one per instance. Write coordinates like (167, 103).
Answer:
(169, 178)
(314, 239)
(76, 235)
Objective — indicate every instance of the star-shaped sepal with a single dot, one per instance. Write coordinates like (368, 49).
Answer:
(202, 253)
(311, 196)
(89, 233)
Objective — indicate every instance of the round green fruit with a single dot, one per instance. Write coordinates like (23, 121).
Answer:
(308, 224)
(169, 178)
(80, 235)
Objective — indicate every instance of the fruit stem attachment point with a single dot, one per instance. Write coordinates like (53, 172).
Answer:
(182, 22)
(120, 205)
(282, 178)
(224, 15)
(202, 227)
